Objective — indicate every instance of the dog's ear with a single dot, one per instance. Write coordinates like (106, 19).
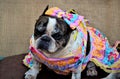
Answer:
(43, 14)
(45, 10)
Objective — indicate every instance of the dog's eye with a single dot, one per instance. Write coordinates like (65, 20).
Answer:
(40, 27)
(39, 32)
(57, 36)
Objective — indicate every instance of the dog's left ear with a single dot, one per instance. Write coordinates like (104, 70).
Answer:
(43, 14)
(45, 10)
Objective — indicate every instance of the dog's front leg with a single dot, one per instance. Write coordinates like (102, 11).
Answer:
(77, 73)
(33, 71)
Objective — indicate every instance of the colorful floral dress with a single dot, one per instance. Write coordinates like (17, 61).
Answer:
(101, 53)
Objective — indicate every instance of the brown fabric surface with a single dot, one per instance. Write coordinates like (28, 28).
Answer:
(13, 68)
(17, 19)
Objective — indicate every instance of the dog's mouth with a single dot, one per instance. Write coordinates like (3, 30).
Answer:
(46, 52)
(49, 54)
(43, 51)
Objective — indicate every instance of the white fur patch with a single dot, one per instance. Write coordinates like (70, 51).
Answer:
(51, 25)
(50, 28)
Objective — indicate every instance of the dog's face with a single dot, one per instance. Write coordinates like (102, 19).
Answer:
(51, 34)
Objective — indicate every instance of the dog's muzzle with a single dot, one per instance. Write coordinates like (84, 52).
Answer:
(44, 43)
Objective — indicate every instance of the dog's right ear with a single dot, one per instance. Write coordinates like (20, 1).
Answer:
(45, 10)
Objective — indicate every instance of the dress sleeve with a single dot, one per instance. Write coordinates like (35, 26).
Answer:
(28, 60)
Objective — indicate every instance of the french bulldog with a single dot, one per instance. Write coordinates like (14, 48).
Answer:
(53, 37)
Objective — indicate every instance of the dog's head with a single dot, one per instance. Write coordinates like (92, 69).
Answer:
(51, 34)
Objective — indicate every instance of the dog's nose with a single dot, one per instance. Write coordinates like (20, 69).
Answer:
(44, 42)
(46, 39)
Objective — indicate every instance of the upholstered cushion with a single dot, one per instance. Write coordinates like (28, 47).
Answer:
(12, 68)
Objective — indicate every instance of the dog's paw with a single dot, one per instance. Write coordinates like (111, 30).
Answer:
(31, 74)
(91, 69)
(91, 72)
